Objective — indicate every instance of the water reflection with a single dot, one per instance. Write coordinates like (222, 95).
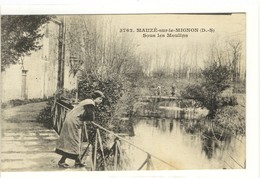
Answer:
(182, 143)
(171, 125)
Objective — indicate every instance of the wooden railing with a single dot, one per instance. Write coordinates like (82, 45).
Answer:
(98, 155)
(60, 111)
(148, 161)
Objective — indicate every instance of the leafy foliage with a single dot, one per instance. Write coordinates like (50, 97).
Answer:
(19, 36)
(215, 79)
(112, 89)
(46, 114)
(18, 102)
(232, 119)
(223, 101)
(160, 73)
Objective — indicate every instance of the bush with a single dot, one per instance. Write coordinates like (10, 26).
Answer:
(227, 101)
(232, 118)
(46, 114)
(112, 88)
(19, 102)
(215, 80)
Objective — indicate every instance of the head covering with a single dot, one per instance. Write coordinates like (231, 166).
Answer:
(97, 94)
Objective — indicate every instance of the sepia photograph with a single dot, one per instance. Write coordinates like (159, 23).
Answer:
(123, 92)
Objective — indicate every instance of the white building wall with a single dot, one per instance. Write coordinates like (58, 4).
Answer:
(11, 83)
(35, 77)
(42, 67)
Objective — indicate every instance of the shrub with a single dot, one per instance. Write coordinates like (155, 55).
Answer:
(105, 112)
(46, 114)
(232, 118)
(19, 102)
(215, 79)
(226, 101)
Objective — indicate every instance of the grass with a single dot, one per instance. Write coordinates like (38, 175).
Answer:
(27, 111)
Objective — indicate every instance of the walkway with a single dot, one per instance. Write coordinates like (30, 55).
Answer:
(29, 146)
(26, 145)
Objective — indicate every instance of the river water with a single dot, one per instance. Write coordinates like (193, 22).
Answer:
(174, 148)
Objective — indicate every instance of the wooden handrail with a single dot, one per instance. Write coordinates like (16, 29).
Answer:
(119, 137)
(127, 141)
(63, 106)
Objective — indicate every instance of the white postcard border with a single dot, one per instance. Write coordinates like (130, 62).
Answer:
(251, 10)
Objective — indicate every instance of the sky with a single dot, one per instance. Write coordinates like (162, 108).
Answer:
(223, 27)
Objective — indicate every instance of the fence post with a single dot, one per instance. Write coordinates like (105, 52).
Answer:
(142, 165)
(101, 148)
(95, 152)
(120, 153)
(148, 162)
(54, 120)
(116, 155)
(83, 154)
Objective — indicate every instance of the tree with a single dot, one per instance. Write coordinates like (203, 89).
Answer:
(110, 63)
(19, 36)
(215, 79)
(236, 50)
(228, 52)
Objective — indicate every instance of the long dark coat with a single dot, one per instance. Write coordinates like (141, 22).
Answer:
(70, 137)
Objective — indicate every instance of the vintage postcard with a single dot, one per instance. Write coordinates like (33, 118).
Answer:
(124, 92)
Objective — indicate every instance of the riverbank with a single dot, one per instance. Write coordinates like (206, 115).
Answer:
(148, 85)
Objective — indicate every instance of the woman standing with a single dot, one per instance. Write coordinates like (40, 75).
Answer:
(68, 144)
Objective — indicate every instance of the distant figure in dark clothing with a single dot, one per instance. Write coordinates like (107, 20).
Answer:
(173, 92)
(68, 144)
(159, 90)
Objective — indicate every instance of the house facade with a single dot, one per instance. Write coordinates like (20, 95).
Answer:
(36, 76)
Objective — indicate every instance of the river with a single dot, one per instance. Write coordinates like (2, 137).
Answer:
(166, 139)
